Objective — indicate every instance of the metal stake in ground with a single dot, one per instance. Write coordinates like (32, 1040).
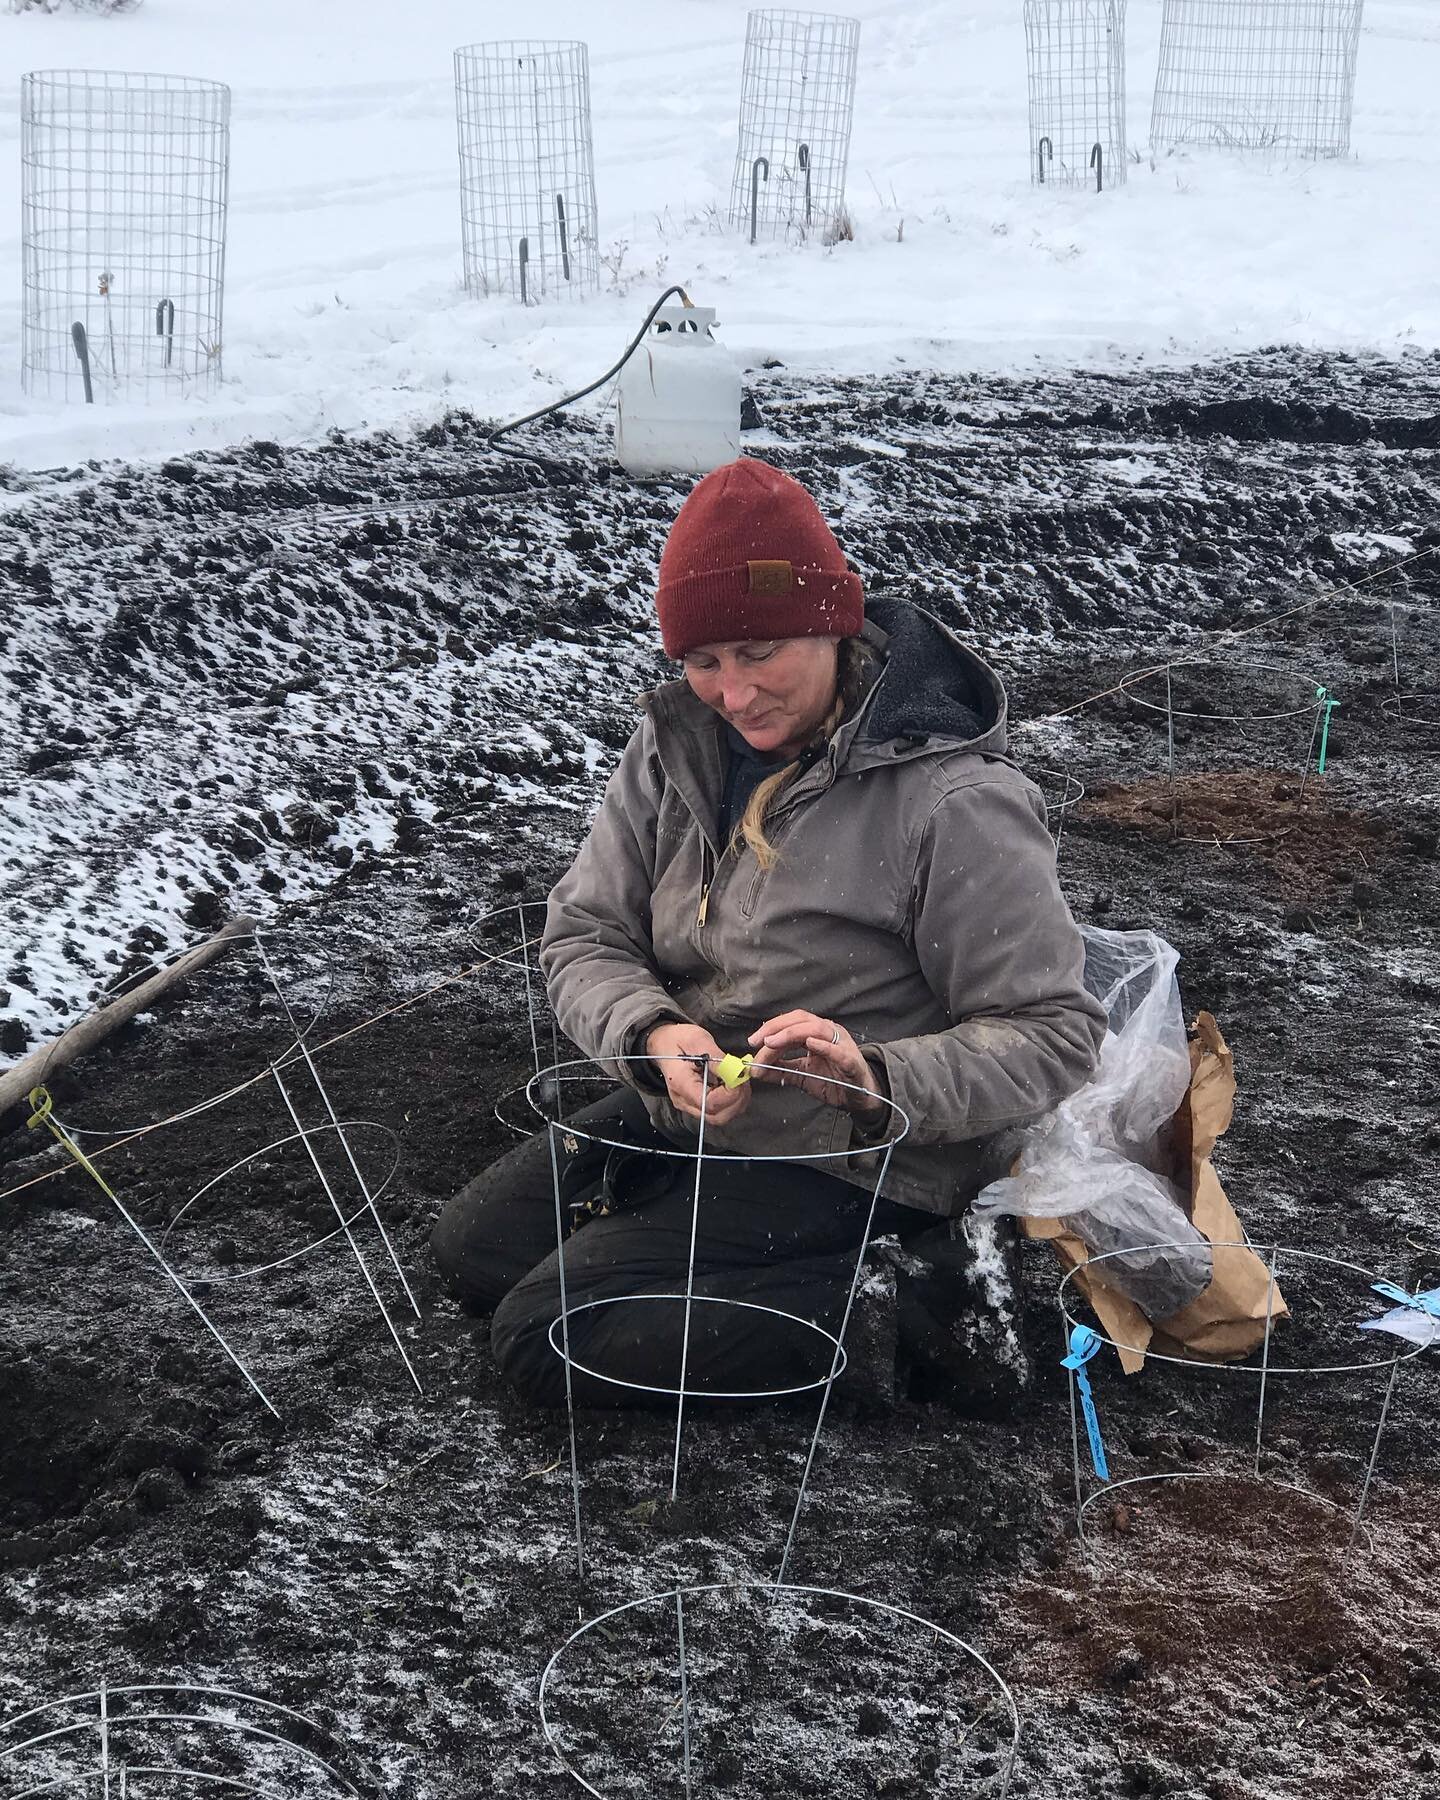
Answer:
(1374, 1457)
(1265, 1355)
(690, 1279)
(551, 1128)
(834, 1368)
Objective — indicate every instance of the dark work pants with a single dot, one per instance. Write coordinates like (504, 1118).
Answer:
(775, 1235)
(781, 1237)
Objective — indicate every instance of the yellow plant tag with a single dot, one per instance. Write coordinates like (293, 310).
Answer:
(733, 1070)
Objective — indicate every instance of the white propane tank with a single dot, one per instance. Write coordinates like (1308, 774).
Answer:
(678, 401)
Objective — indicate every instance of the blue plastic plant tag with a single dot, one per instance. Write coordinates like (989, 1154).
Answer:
(1426, 1303)
(1084, 1343)
(1416, 1317)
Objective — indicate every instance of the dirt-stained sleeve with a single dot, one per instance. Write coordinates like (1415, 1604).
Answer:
(596, 954)
(999, 948)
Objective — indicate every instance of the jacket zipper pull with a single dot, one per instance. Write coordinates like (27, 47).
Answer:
(706, 879)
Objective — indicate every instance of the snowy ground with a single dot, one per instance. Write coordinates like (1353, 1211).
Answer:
(344, 301)
(242, 679)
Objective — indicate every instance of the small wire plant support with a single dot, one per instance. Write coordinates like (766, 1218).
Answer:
(1075, 58)
(348, 1215)
(1275, 76)
(797, 100)
(287, 1072)
(1356, 1284)
(1318, 706)
(1417, 712)
(117, 1740)
(560, 1121)
(527, 170)
(1063, 791)
(124, 203)
(723, 1633)
(581, 1073)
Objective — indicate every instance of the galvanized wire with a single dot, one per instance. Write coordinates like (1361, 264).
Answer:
(797, 100)
(124, 199)
(527, 170)
(87, 1734)
(1271, 75)
(1075, 59)
(1301, 1261)
(606, 1627)
(552, 1083)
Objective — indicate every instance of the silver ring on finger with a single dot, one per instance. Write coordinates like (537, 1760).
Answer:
(834, 1034)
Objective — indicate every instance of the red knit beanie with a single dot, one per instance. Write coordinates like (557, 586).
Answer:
(749, 556)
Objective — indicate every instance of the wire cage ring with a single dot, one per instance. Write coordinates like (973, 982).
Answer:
(213, 1278)
(838, 1359)
(1418, 713)
(678, 1599)
(555, 1076)
(1160, 672)
(115, 1715)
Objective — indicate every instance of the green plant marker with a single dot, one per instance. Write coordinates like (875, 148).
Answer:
(1330, 706)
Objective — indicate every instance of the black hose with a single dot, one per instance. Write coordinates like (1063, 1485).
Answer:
(600, 380)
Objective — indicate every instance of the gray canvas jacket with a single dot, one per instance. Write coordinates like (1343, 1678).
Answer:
(915, 901)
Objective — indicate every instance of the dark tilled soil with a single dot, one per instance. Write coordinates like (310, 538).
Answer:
(401, 1566)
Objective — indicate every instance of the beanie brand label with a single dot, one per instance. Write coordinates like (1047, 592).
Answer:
(770, 578)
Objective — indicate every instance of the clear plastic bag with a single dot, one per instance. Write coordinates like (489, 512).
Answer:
(1097, 1161)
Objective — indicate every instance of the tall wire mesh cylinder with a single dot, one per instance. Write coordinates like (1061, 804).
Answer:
(527, 170)
(1075, 54)
(124, 193)
(797, 99)
(1257, 75)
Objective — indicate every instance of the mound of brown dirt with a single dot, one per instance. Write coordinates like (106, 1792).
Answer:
(1308, 844)
(1220, 1611)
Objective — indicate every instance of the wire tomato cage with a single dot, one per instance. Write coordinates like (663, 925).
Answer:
(700, 1676)
(1153, 689)
(682, 1665)
(130, 1742)
(124, 203)
(1339, 1290)
(346, 1180)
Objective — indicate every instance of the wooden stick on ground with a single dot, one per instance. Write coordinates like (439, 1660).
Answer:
(95, 1027)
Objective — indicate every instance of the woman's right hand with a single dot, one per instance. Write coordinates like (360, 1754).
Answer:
(686, 1082)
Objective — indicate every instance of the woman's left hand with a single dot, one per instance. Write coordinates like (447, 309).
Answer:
(795, 1047)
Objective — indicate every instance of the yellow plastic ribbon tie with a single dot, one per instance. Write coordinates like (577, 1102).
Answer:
(44, 1115)
(733, 1070)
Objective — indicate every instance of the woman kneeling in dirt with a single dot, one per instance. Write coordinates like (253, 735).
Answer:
(814, 850)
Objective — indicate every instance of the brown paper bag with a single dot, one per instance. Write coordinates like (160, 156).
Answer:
(1228, 1319)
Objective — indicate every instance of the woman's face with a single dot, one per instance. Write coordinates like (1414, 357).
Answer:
(775, 693)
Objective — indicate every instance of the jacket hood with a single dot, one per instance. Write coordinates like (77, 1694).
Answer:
(931, 686)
